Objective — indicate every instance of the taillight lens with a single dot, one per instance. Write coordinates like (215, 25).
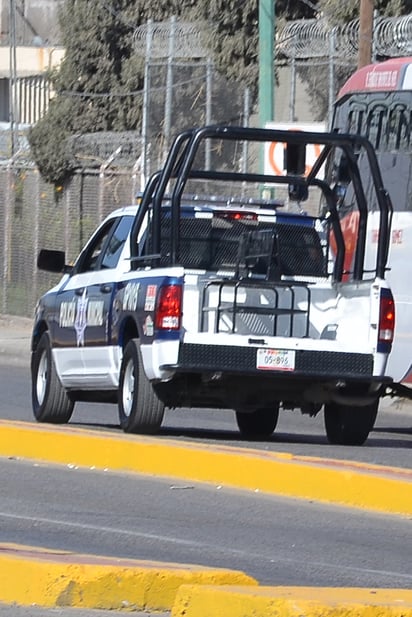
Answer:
(169, 308)
(386, 317)
(236, 216)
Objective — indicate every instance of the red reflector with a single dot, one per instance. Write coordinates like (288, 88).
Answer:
(169, 308)
(386, 318)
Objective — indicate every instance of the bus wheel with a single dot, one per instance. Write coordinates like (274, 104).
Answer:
(258, 424)
(349, 426)
(140, 410)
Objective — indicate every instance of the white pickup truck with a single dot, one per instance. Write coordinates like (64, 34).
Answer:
(228, 302)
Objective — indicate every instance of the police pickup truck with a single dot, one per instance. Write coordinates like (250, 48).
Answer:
(238, 302)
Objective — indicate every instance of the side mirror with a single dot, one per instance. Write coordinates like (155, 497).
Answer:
(295, 159)
(51, 261)
(295, 165)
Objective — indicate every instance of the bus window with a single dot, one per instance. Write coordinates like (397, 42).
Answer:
(405, 126)
(397, 125)
(375, 125)
(356, 119)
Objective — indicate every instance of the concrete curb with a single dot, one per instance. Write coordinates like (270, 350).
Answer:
(199, 601)
(55, 579)
(383, 489)
(50, 578)
(31, 575)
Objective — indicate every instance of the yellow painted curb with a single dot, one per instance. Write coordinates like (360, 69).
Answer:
(352, 484)
(59, 578)
(211, 601)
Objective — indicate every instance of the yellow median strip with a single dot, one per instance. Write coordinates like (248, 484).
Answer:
(59, 578)
(31, 575)
(205, 601)
(51, 578)
(372, 487)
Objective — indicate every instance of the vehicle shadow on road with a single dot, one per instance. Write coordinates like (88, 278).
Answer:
(397, 430)
(211, 435)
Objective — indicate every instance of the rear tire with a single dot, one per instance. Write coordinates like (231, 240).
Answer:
(50, 400)
(140, 409)
(259, 424)
(349, 426)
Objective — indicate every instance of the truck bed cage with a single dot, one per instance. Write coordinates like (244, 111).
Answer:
(179, 169)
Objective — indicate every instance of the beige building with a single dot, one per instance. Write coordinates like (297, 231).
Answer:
(29, 91)
(28, 50)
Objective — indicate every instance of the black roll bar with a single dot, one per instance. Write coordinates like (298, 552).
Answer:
(179, 166)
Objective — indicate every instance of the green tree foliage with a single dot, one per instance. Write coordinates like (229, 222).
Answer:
(99, 83)
(90, 84)
(232, 34)
(338, 12)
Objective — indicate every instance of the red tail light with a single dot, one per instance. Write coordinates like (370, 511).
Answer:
(236, 216)
(169, 308)
(386, 317)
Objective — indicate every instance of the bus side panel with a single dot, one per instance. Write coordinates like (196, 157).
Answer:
(399, 277)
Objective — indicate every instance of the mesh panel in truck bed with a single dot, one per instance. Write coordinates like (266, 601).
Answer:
(246, 245)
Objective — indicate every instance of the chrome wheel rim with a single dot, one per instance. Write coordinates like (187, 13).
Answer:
(128, 389)
(41, 381)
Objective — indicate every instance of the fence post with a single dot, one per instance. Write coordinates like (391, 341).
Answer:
(102, 172)
(7, 233)
(169, 87)
(66, 215)
(209, 83)
(137, 169)
(292, 89)
(36, 233)
(146, 91)
(246, 113)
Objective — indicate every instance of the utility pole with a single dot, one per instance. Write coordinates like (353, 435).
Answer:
(266, 68)
(365, 32)
(13, 117)
(266, 60)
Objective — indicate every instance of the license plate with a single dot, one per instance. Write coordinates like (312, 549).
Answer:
(275, 359)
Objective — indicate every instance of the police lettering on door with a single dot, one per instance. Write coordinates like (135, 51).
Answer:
(80, 314)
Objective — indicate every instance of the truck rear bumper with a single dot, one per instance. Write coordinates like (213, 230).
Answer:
(207, 376)
(224, 358)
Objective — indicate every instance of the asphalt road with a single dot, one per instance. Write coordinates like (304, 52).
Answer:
(276, 540)
(279, 541)
(389, 444)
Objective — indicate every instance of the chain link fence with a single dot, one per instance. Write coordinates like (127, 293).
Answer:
(320, 56)
(34, 215)
(112, 167)
(181, 90)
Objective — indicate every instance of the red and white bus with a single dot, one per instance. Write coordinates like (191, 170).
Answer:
(376, 102)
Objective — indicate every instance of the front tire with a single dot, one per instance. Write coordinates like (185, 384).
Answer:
(259, 424)
(50, 400)
(140, 409)
(349, 426)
